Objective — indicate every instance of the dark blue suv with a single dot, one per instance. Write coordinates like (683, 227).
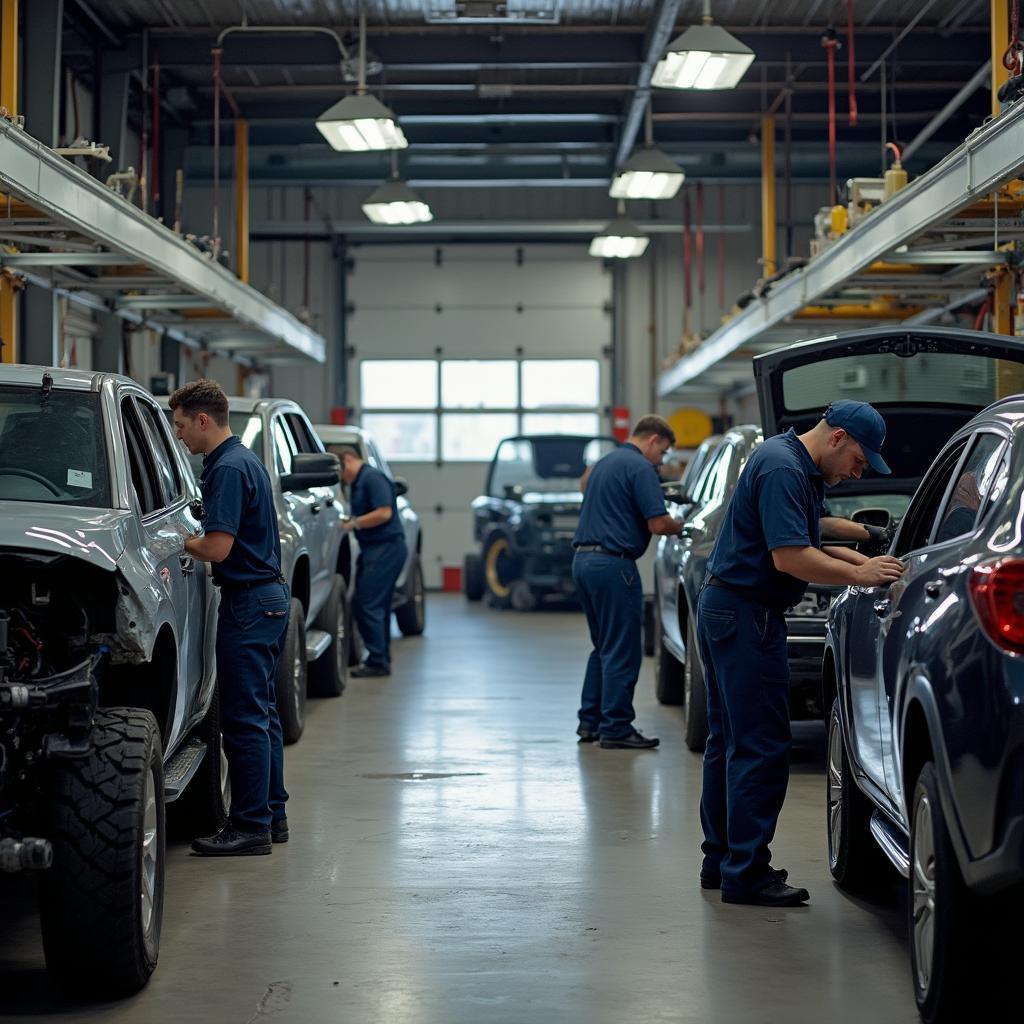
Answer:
(925, 679)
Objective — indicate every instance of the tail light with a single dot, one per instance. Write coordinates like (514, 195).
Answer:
(997, 590)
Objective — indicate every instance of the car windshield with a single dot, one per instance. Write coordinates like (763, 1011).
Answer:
(53, 448)
(845, 506)
(544, 465)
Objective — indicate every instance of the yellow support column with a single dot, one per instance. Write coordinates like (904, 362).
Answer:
(768, 248)
(9, 101)
(242, 199)
(1000, 14)
(1009, 375)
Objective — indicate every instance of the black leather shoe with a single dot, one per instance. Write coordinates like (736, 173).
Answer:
(369, 671)
(587, 735)
(229, 842)
(778, 894)
(631, 741)
(715, 881)
(279, 831)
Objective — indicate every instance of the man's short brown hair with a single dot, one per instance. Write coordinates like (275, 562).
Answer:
(648, 426)
(202, 396)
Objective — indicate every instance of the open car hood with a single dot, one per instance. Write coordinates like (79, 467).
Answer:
(912, 376)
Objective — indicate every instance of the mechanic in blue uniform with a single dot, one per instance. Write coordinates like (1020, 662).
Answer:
(382, 554)
(767, 552)
(623, 504)
(241, 540)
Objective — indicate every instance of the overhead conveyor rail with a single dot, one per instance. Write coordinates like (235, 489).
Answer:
(848, 269)
(62, 228)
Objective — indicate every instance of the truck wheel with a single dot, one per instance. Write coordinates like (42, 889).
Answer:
(473, 576)
(412, 616)
(695, 702)
(203, 808)
(668, 673)
(101, 904)
(854, 858)
(501, 570)
(291, 675)
(649, 601)
(328, 675)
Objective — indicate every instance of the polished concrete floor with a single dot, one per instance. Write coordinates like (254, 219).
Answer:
(456, 858)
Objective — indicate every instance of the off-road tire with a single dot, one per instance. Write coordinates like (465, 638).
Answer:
(412, 616)
(668, 673)
(291, 679)
(695, 703)
(203, 808)
(854, 858)
(473, 585)
(328, 675)
(91, 902)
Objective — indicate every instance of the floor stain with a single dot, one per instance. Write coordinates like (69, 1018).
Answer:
(419, 776)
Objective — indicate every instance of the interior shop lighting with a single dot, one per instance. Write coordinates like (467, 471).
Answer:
(621, 239)
(395, 203)
(705, 56)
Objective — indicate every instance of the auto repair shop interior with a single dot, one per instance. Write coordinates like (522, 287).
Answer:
(456, 250)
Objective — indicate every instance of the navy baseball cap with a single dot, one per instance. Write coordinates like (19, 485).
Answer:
(865, 425)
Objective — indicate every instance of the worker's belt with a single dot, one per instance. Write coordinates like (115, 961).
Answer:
(604, 551)
(750, 593)
(249, 584)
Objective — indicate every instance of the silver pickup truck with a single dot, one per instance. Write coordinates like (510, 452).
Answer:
(108, 706)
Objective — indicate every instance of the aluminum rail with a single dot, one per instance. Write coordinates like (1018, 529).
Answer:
(989, 157)
(66, 194)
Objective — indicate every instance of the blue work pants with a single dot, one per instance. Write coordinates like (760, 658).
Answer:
(251, 627)
(377, 572)
(746, 760)
(612, 596)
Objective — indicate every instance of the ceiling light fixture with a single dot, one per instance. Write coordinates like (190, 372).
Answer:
(359, 123)
(704, 57)
(648, 173)
(395, 203)
(620, 239)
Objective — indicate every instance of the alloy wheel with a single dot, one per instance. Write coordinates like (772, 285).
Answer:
(341, 641)
(149, 854)
(835, 790)
(297, 667)
(923, 890)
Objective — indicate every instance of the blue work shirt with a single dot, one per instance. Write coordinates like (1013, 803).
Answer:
(623, 492)
(237, 500)
(372, 489)
(777, 503)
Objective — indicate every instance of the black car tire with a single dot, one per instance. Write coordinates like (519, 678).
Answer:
(101, 904)
(501, 570)
(668, 672)
(695, 703)
(473, 585)
(203, 808)
(291, 675)
(649, 639)
(328, 675)
(946, 989)
(412, 616)
(854, 858)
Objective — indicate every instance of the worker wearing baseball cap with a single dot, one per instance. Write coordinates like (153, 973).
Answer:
(768, 550)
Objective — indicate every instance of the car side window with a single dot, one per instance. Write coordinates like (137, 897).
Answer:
(160, 449)
(377, 460)
(284, 446)
(718, 482)
(973, 482)
(705, 486)
(917, 523)
(303, 433)
(140, 467)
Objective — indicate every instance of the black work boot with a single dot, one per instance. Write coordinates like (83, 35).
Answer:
(231, 842)
(279, 831)
(631, 741)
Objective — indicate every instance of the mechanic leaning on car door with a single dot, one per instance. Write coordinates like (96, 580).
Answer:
(382, 553)
(766, 554)
(623, 504)
(241, 540)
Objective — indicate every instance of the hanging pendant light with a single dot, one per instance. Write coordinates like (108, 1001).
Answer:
(395, 203)
(359, 123)
(703, 57)
(620, 239)
(648, 173)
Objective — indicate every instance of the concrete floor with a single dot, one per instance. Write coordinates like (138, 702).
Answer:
(456, 858)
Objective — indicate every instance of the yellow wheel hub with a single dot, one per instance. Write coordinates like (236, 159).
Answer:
(494, 581)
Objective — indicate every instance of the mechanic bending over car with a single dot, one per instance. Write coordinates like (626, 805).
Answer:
(382, 553)
(623, 504)
(241, 540)
(767, 552)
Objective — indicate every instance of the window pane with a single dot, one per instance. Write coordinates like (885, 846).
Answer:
(970, 488)
(565, 383)
(561, 423)
(398, 384)
(478, 384)
(404, 437)
(473, 437)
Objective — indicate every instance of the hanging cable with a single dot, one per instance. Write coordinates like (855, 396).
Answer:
(687, 266)
(721, 250)
(700, 257)
(154, 169)
(850, 64)
(831, 43)
(1012, 58)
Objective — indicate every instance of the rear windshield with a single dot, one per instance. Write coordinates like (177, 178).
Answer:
(53, 448)
(926, 378)
(544, 464)
(845, 506)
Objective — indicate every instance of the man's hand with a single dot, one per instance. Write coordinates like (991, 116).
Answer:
(879, 572)
(349, 524)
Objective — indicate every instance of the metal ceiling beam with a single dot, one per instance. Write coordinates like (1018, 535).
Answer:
(64, 259)
(980, 78)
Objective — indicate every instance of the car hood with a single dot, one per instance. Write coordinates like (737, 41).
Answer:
(94, 535)
(916, 429)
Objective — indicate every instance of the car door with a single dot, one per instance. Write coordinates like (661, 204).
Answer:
(929, 594)
(296, 505)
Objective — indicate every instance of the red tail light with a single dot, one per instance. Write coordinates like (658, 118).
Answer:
(997, 590)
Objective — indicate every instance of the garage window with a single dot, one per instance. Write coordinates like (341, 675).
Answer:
(472, 437)
(479, 384)
(398, 384)
(561, 383)
(404, 436)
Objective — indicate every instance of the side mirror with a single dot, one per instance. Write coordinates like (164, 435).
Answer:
(312, 469)
(401, 486)
(197, 510)
(674, 493)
